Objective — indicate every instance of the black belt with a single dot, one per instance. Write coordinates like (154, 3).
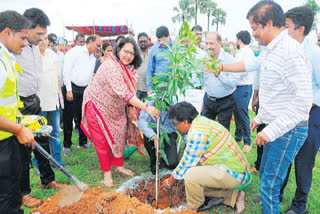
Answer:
(199, 87)
(29, 97)
(214, 99)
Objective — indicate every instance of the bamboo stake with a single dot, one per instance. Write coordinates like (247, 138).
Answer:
(157, 182)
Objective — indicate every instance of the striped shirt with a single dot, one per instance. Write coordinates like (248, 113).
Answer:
(285, 92)
(199, 152)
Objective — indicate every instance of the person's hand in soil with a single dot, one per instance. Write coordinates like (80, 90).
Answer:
(167, 183)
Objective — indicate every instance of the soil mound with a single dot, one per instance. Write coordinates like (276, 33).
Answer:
(96, 201)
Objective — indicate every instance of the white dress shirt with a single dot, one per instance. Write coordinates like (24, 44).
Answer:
(49, 100)
(78, 67)
(245, 54)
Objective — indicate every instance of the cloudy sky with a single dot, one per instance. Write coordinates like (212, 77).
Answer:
(141, 15)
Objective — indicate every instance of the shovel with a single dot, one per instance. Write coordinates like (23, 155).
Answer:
(83, 187)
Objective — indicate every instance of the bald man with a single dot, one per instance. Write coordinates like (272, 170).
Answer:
(218, 99)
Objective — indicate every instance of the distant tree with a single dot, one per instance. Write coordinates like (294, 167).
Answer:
(184, 12)
(316, 10)
(219, 18)
(207, 7)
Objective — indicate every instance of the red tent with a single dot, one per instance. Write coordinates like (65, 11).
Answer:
(100, 30)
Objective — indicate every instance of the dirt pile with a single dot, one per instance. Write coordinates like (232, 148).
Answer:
(146, 193)
(96, 201)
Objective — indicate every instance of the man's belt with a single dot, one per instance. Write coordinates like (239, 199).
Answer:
(214, 99)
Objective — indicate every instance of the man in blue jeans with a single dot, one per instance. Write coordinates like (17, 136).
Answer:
(243, 93)
(299, 22)
(285, 97)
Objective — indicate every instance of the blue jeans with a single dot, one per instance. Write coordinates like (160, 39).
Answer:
(53, 118)
(276, 159)
(242, 97)
(305, 160)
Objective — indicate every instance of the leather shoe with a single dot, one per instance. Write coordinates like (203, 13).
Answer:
(209, 203)
(53, 185)
(30, 201)
(290, 211)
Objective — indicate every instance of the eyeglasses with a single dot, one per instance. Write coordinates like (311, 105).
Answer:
(176, 123)
(128, 53)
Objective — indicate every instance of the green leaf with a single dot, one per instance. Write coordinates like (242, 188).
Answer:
(163, 156)
(166, 137)
(152, 125)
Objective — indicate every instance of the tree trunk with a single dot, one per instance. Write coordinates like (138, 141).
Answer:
(217, 26)
(195, 20)
(157, 165)
(208, 21)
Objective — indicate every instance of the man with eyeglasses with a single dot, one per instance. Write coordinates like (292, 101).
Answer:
(141, 71)
(78, 69)
(212, 163)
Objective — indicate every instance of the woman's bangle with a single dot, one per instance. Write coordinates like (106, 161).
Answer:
(221, 67)
(18, 132)
(146, 107)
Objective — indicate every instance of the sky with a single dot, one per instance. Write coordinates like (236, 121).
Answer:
(141, 15)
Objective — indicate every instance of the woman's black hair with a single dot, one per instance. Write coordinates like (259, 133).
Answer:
(105, 45)
(137, 58)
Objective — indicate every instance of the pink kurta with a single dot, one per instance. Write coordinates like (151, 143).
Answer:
(110, 93)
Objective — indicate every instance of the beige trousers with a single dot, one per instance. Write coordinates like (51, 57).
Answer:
(201, 181)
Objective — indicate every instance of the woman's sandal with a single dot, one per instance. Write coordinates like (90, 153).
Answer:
(125, 171)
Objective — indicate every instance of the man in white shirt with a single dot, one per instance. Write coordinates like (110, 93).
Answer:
(243, 93)
(78, 68)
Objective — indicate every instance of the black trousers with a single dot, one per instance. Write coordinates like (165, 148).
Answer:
(73, 111)
(259, 148)
(169, 148)
(32, 107)
(221, 107)
(10, 176)
(141, 95)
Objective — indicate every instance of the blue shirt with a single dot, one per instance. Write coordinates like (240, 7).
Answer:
(145, 119)
(313, 52)
(225, 84)
(158, 62)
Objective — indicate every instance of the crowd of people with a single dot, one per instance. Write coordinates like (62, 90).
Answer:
(101, 87)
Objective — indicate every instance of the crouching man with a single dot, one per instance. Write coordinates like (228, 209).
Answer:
(212, 163)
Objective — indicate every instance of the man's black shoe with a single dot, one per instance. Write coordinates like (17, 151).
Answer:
(209, 203)
(290, 211)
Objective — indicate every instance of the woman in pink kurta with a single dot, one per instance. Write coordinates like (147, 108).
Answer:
(104, 105)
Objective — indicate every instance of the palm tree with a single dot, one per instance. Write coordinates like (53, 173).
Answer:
(184, 12)
(219, 17)
(207, 7)
(316, 9)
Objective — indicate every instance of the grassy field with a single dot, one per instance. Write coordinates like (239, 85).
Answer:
(85, 166)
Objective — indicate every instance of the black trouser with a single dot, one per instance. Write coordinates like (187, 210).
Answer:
(141, 95)
(73, 110)
(221, 107)
(32, 107)
(10, 176)
(259, 148)
(169, 148)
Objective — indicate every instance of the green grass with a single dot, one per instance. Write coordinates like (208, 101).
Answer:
(84, 165)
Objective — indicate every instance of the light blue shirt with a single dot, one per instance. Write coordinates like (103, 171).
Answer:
(225, 84)
(158, 62)
(313, 52)
(145, 119)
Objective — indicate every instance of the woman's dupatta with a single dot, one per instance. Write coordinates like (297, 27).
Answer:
(133, 135)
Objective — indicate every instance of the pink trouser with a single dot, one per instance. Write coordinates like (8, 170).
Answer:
(103, 150)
